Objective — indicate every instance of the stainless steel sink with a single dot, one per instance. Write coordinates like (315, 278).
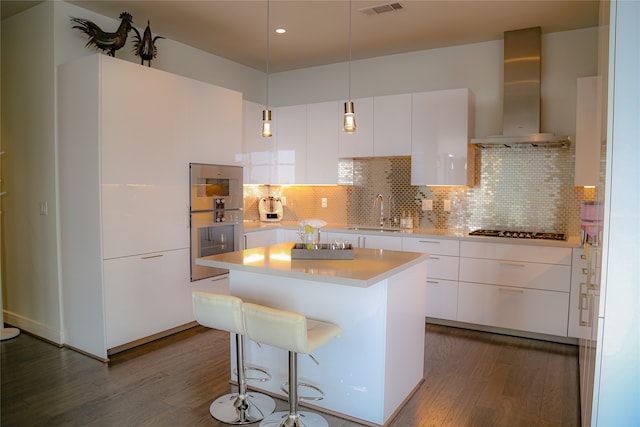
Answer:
(369, 228)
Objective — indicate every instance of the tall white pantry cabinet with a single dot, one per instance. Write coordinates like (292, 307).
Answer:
(126, 136)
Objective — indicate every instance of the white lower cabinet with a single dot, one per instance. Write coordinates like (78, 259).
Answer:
(442, 298)
(520, 287)
(524, 309)
(442, 274)
(145, 295)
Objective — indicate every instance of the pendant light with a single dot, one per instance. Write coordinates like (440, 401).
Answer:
(349, 112)
(266, 113)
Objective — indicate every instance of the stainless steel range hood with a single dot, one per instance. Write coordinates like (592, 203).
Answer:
(521, 94)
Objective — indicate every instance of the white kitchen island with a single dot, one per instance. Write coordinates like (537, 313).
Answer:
(378, 299)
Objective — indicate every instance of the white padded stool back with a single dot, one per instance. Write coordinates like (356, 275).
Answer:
(218, 311)
(285, 329)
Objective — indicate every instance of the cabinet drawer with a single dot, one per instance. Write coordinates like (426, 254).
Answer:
(371, 241)
(511, 252)
(442, 299)
(518, 274)
(256, 239)
(431, 246)
(530, 310)
(145, 295)
(381, 242)
(443, 267)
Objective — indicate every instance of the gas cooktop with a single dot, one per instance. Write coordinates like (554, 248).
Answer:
(518, 234)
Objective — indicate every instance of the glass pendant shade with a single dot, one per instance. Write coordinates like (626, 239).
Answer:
(349, 118)
(266, 124)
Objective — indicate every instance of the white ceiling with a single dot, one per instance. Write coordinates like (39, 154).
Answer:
(318, 31)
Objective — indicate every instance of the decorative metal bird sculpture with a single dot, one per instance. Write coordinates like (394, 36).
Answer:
(145, 46)
(108, 42)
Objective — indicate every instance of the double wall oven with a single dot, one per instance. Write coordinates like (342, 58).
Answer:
(215, 214)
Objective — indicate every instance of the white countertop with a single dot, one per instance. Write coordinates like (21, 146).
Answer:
(458, 234)
(368, 267)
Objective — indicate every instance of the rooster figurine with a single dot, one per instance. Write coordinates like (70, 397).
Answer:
(108, 42)
(145, 46)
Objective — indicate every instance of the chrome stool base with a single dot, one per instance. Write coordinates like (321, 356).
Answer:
(301, 419)
(236, 409)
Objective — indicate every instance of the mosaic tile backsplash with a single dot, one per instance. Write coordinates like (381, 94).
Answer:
(522, 187)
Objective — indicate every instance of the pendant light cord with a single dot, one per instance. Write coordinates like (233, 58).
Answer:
(267, 56)
(349, 50)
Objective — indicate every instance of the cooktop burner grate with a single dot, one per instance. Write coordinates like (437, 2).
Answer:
(519, 234)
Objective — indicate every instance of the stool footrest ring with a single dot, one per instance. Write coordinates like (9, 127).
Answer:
(265, 378)
(285, 388)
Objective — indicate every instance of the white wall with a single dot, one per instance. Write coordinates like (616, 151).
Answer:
(565, 56)
(173, 56)
(30, 264)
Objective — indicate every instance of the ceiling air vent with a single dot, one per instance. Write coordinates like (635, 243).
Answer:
(382, 8)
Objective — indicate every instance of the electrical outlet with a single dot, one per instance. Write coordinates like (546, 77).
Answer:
(427, 204)
(283, 200)
(324, 202)
(447, 205)
(44, 209)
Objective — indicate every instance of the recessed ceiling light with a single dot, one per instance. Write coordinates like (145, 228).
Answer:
(280, 30)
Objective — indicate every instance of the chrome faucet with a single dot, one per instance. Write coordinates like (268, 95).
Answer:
(380, 198)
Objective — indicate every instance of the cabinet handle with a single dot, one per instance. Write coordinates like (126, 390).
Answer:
(151, 256)
(586, 302)
(434, 257)
(585, 270)
(517, 291)
(511, 264)
(433, 282)
(583, 256)
(218, 278)
(428, 241)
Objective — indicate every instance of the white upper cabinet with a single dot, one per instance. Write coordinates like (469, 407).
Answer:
(146, 141)
(290, 131)
(303, 149)
(383, 127)
(588, 132)
(323, 130)
(442, 124)
(359, 143)
(392, 125)
(258, 152)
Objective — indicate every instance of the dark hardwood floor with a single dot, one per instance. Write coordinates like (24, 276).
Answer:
(471, 379)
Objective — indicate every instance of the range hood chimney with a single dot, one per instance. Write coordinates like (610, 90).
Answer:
(521, 94)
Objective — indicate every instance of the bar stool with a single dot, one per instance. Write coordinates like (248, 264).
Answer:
(224, 312)
(297, 334)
